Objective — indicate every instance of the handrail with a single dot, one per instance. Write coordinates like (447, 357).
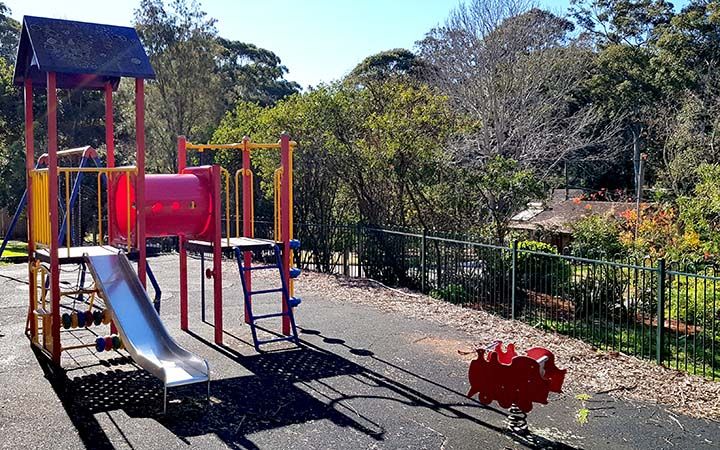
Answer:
(123, 169)
(276, 204)
(40, 208)
(235, 146)
(68, 211)
(226, 174)
(248, 173)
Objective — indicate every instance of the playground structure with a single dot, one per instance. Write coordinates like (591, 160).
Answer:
(131, 206)
(86, 156)
(243, 242)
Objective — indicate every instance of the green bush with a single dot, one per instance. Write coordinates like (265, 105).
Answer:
(544, 272)
(453, 293)
(597, 237)
(599, 293)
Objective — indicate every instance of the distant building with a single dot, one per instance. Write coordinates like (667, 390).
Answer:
(551, 221)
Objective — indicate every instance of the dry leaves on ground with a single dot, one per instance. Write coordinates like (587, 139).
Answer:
(589, 370)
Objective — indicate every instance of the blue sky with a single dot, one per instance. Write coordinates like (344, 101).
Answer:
(318, 40)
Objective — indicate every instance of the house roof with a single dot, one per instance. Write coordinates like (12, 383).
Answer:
(83, 55)
(559, 214)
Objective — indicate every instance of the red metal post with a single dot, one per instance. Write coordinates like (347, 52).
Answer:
(217, 255)
(53, 199)
(181, 162)
(285, 212)
(110, 151)
(140, 178)
(247, 215)
(29, 166)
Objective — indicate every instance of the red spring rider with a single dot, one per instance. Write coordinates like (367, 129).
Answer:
(514, 381)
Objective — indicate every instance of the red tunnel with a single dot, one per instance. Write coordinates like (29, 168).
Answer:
(175, 205)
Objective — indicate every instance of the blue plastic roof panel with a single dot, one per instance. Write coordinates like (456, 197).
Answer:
(83, 55)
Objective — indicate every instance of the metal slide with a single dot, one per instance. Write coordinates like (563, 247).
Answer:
(143, 333)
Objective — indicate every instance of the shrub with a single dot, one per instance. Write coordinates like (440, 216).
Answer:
(597, 237)
(453, 293)
(541, 271)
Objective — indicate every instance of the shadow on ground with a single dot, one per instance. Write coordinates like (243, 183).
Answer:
(268, 399)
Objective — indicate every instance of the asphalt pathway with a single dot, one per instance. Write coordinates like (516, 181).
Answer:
(362, 378)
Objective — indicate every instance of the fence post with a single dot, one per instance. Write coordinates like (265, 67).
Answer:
(514, 277)
(346, 261)
(423, 252)
(660, 309)
(358, 234)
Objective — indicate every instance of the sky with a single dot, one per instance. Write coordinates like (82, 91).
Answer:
(317, 40)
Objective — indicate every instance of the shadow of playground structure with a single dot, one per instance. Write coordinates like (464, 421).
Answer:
(268, 399)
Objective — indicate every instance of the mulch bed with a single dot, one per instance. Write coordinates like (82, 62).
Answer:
(589, 370)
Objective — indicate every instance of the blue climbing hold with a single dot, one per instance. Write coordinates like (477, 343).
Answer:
(294, 301)
(294, 272)
(294, 244)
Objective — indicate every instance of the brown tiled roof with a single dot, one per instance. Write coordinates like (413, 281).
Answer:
(559, 214)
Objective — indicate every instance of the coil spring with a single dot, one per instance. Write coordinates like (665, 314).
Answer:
(517, 420)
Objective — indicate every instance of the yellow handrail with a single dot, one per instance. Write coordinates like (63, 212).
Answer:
(127, 194)
(237, 202)
(226, 174)
(41, 207)
(68, 213)
(124, 169)
(39, 179)
(276, 204)
(235, 146)
(99, 207)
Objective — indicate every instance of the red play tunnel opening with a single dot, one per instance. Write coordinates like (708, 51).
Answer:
(175, 205)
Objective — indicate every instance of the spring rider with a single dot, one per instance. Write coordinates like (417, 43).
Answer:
(514, 381)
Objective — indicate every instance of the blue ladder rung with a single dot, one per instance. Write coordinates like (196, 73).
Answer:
(267, 316)
(248, 269)
(265, 291)
(280, 339)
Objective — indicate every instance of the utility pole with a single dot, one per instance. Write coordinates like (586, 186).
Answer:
(640, 180)
(567, 181)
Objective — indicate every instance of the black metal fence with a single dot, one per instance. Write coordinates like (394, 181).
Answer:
(650, 309)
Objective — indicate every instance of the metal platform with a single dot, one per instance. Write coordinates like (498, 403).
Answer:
(75, 255)
(242, 243)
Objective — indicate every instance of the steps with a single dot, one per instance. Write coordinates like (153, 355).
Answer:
(290, 302)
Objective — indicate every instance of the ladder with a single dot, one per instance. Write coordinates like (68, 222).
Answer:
(291, 302)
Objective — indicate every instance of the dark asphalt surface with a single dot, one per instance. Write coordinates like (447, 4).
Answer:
(362, 379)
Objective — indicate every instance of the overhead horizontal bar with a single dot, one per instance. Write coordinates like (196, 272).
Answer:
(236, 146)
(131, 169)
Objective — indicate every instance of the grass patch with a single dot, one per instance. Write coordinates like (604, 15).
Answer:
(15, 248)
(698, 355)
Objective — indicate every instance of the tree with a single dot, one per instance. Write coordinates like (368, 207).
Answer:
(625, 32)
(252, 74)
(12, 151)
(621, 22)
(502, 189)
(200, 75)
(389, 63)
(9, 34)
(182, 47)
(519, 87)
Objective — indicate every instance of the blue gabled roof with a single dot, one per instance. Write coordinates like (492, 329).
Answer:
(84, 55)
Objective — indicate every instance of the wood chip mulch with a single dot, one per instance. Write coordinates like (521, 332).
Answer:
(589, 370)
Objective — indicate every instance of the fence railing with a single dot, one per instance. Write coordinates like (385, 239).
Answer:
(650, 309)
